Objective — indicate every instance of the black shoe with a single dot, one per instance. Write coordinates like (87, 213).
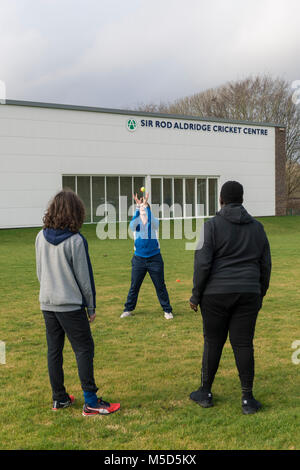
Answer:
(204, 399)
(63, 404)
(250, 406)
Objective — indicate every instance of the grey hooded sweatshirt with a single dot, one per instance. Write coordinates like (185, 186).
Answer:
(233, 255)
(64, 271)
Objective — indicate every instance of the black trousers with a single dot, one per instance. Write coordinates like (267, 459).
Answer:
(155, 267)
(76, 326)
(234, 314)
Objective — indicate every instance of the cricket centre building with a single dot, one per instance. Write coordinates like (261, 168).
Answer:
(106, 155)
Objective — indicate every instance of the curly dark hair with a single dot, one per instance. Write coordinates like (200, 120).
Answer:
(65, 211)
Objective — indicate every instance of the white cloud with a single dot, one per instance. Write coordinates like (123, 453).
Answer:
(116, 54)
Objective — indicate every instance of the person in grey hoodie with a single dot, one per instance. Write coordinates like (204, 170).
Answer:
(68, 299)
(232, 269)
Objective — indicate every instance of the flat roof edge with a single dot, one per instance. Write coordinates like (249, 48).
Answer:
(72, 107)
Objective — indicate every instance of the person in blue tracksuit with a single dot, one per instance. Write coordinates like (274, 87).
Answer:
(146, 259)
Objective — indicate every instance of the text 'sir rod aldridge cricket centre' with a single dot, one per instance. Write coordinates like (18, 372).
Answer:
(103, 154)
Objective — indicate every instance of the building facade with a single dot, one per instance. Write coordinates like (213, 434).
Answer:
(107, 155)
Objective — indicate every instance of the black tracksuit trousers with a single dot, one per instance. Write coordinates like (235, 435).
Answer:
(76, 326)
(234, 314)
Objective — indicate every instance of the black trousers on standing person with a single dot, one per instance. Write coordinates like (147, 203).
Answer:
(155, 267)
(234, 314)
(76, 326)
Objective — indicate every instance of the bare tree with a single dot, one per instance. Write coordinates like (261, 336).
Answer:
(292, 178)
(261, 99)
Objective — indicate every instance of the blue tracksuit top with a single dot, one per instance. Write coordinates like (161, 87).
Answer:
(145, 236)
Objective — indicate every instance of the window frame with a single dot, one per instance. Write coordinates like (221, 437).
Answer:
(147, 181)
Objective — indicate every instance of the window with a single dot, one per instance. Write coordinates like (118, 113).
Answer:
(69, 182)
(176, 192)
(168, 195)
(156, 194)
(167, 199)
(126, 192)
(98, 195)
(84, 192)
(178, 197)
(138, 183)
(112, 193)
(201, 197)
(190, 197)
(213, 195)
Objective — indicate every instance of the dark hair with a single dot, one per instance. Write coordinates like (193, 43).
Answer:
(232, 192)
(65, 211)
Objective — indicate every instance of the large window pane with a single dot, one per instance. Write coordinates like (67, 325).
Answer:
(98, 195)
(201, 197)
(156, 196)
(112, 194)
(68, 182)
(138, 183)
(213, 196)
(167, 199)
(163, 192)
(178, 197)
(190, 197)
(126, 191)
(84, 192)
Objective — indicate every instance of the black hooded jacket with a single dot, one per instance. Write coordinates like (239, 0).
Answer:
(233, 255)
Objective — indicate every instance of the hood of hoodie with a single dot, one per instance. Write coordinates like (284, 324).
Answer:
(236, 214)
(57, 236)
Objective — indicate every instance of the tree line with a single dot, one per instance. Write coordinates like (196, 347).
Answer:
(261, 99)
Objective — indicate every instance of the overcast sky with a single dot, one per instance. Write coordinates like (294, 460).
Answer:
(121, 53)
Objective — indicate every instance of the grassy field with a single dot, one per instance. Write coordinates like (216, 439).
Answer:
(147, 363)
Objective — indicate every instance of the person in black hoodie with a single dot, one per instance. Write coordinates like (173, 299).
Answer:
(232, 268)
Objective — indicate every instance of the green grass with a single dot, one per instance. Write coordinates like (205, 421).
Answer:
(147, 363)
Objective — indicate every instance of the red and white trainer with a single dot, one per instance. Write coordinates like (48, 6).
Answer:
(102, 408)
(57, 404)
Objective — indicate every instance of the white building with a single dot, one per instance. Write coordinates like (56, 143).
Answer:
(105, 153)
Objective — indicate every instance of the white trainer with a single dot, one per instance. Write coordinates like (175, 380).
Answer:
(125, 314)
(168, 315)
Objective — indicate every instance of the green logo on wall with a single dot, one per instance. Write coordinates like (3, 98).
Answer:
(131, 125)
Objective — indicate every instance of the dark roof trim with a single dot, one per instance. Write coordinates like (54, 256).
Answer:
(72, 107)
